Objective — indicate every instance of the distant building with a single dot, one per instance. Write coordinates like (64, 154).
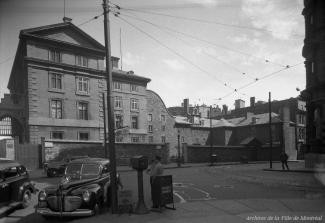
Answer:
(314, 53)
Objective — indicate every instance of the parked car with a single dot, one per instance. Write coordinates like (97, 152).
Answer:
(81, 192)
(16, 188)
(57, 168)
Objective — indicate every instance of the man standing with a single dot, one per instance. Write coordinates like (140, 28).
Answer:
(284, 160)
(155, 169)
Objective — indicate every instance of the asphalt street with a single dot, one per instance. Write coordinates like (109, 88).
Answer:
(205, 184)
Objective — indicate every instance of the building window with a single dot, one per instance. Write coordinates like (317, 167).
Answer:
(56, 109)
(55, 56)
(56, 135)
(117, 85)
(162, 118)
(83, 135)
(149, 117)
(118, 102)
(301, 134)
(81, 61)
(135, 139)
(150, 139)
(183, 139)
(201, 122)
(83, 110)
(134, 104)
(56, 81)
(83, 85)
(163, 139)
(134, 87)
(149, 128)
(118, 139)
(163, 128)
(134, 122)
(118, 121)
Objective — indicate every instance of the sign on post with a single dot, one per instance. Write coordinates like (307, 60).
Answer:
(10, 149)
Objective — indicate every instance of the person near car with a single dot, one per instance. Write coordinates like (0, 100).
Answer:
(284, 160)
(154, 170)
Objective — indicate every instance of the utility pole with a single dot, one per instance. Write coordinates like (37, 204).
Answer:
(110, 112)
(105, 133)
(210, 116)
(270, 130)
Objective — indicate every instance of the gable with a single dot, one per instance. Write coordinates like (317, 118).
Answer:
(68, 36)
(65, 32)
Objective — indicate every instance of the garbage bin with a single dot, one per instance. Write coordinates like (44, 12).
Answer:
(214, 158)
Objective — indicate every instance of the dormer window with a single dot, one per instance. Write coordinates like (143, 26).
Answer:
(55, 56)
(81, 61)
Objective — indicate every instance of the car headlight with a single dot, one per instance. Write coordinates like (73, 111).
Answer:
(42, 196)
(86, 196)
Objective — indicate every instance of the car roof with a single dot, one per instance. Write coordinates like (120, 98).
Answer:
(6, 163)
(101, 161)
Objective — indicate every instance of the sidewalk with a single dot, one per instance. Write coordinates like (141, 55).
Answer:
(232, 211)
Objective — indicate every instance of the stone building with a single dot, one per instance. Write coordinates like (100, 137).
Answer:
(314, 53)
(57, 84)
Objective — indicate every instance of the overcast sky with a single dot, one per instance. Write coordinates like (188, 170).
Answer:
(203, 50)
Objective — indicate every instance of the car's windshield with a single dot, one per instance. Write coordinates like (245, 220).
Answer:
(82, 171)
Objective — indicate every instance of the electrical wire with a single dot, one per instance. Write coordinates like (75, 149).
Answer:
(89, 20)
(212, 57)
(203, 21)
(175, 52)
(262, 78)
(224, 47)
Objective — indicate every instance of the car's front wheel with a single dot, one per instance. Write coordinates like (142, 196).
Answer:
(26, 198)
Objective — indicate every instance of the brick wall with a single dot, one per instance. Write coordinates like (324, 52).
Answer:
(201, 154)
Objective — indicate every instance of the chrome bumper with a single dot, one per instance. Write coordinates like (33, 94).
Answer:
(75, 213)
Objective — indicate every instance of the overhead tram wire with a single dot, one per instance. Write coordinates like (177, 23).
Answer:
(212, 57)
(175, 52)
(89, 20)
(262, 78)
(224, 47)
(202, 20)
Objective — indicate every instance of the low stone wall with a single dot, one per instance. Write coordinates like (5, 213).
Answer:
(201, 154)
(124, 151)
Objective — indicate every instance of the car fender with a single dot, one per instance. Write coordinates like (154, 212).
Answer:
(95, 189)
(24, 186)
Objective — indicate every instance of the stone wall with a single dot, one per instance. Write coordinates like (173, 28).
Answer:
(124, 151)
(201, 154)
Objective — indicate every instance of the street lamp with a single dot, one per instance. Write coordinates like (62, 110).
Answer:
(178, 150)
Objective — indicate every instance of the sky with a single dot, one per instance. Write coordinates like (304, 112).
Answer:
(210, 51)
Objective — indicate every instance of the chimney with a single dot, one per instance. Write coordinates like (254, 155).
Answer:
(224, 109)
(239, 103)
(66, 19)
(186, 106)
(252, 102)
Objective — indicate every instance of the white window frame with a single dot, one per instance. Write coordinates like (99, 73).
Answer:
(137, 122)
(162, 118)
(117, 85)
(55, 56)
(134, 104)
(86, 116)
(81, 61)
(150, 128)
(83, 81)
(118, 102)
(134, 88)
(150, 117)
(56, 108)
(58, 79)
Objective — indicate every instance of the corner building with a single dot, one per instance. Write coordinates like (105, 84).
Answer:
(58, 80)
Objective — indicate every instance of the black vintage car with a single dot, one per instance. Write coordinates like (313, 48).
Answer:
(82, 191)
(57, 168)
(16, 188)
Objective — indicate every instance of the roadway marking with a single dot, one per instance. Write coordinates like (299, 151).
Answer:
(207, 195)
(182, 200)
(224, 186)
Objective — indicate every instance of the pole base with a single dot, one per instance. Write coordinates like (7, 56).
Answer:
(141, 208)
